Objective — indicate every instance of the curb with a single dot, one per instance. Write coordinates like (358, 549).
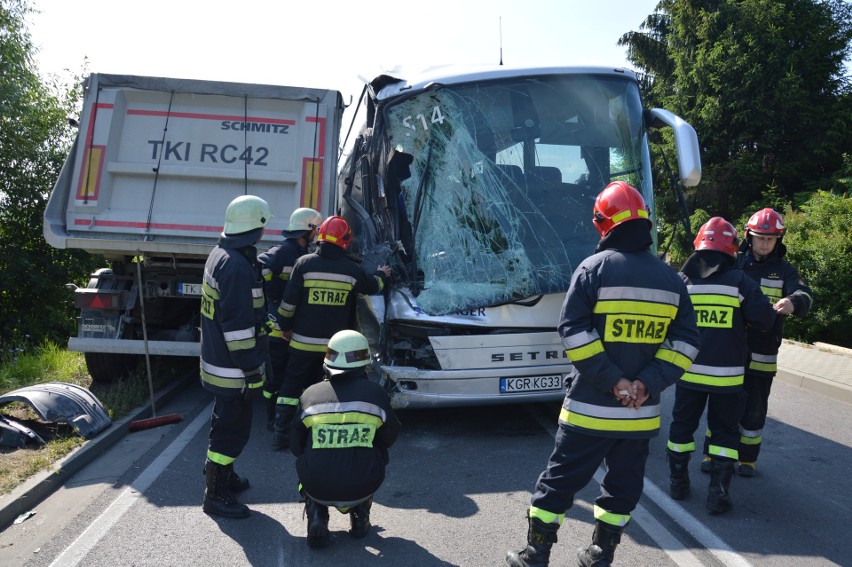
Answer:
(838, 391)
(34, 490)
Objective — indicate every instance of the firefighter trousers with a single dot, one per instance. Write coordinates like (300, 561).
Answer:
(757, 387)
(573, 463)
(278, 355)
(723, 414)
(230, 427)
(303, 370)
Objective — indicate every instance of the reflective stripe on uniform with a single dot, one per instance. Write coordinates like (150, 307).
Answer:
(725, 452)
(611, 518)
(219, 458)
(545, 516)
(763, 362)
(679, 353)
(287, 310)
(681, 447)
(585, 344)
(222, 377)
(340, 408)
(748, 437)
(773, 289)
(607, 418)
(258, 300)
(723, 376)
(310, 344)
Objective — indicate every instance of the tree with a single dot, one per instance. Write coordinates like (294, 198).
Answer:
(35, 137)
(762, 82)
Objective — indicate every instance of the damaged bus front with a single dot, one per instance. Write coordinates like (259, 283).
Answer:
(478, 187)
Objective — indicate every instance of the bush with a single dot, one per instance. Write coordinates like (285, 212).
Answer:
(819, 244)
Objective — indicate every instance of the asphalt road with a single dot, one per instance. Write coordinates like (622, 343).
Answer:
(456, 494)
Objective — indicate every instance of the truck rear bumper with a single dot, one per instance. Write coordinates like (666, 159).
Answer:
(417, 388)
(157, 348)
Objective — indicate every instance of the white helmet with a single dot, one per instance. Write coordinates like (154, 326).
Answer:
(302, 221)
(346, 350)
(246, 213)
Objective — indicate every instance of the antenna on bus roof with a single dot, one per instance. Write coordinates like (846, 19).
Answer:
(500, 21)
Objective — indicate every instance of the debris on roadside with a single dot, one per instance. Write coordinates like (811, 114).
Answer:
(56, 402)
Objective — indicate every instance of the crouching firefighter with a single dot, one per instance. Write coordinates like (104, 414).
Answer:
(233, 348)
(341, 437)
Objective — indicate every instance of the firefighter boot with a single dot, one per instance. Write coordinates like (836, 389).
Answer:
(317, 514)
(359, 518)
(281, 430)
(718, 494)
(236, 483)
(601, 552)
(678, 474)
(540, 538)
(218, 498)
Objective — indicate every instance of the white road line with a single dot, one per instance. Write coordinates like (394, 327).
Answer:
(77, 551)
(666, 540)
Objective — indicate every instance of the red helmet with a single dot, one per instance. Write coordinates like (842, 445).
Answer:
(766, 222)
(336, 231)
(717, 234)
(618, 203)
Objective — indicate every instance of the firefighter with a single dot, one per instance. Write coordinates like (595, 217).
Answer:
(233, 348)
(628, 328)
(725, 301)
(276, 267)
(341, 438)
(761, 256)
(318, 302)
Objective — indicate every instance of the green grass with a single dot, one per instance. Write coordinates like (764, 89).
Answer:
(51, 363)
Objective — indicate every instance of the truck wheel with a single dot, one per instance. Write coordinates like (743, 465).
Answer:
(105, 367)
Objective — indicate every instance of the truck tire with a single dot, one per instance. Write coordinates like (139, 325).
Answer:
(105, 367)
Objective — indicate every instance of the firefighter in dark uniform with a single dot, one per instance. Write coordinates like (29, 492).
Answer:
(628, 328)
(762, 258)
(276, 267)
(725, 301)
(233, 348)
(341, 437)
(318, 302)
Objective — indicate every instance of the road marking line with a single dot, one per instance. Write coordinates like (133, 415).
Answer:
(77, 551)
(666, 540)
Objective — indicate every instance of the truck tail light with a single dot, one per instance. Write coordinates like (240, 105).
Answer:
(94, 299)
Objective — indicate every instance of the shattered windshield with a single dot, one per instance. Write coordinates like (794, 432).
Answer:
(503, 180)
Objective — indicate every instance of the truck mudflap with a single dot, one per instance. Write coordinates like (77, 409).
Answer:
(63, 403)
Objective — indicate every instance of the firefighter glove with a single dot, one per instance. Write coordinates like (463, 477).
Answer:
(254, 383)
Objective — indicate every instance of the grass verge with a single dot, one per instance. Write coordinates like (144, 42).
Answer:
(50, 363)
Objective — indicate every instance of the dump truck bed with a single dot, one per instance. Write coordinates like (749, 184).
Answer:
(157, 160)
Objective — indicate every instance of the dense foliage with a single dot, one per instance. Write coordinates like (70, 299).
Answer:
(819, 244)
(764, 84)
(35, 137)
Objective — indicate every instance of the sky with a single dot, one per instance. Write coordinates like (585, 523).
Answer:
(323, 44)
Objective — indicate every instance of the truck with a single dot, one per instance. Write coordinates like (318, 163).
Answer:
(478, 184)
(155, 162)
